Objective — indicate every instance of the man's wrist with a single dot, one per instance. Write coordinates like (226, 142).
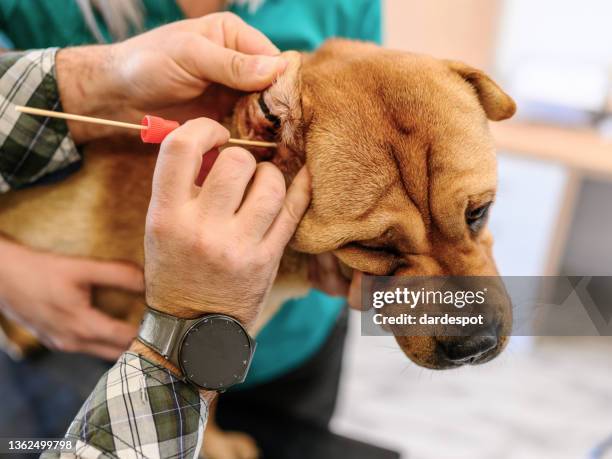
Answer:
(140, 348)
(177, 307)
(88, 86)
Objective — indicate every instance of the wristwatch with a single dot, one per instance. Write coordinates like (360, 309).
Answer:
(214, 352)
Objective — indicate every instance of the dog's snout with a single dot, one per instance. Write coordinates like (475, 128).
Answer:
(470, 349)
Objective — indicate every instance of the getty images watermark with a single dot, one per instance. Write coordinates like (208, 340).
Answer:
(412, 299)
(463, 306)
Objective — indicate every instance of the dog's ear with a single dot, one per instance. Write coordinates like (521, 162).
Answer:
(274, 114)
(496, 103)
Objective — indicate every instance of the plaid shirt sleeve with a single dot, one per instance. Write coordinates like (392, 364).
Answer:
(31, 147)
(138, 410)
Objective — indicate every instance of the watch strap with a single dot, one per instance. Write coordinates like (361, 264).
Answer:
(162, 332)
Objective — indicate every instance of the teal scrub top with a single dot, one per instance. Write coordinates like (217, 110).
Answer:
(302, 325)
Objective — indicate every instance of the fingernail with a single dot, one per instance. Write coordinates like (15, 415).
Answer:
(270, 64)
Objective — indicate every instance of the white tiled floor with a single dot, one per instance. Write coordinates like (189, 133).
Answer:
(551, 399)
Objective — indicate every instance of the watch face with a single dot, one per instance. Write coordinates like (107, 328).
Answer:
(215, 353)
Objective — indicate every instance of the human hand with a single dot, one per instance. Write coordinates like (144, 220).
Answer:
(216, 249)
(51, 296)
(177, 62)
(164, 70)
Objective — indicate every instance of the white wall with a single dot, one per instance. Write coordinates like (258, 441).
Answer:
(573, 30)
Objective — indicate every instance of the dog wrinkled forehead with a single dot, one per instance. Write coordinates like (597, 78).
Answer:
(373, 107)
(370, 80)
(383, 87)
(379, 97)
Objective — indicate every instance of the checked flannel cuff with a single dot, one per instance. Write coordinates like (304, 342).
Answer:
(31, 146)
(138, 410)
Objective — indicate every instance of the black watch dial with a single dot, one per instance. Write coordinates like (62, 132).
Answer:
(215, 353)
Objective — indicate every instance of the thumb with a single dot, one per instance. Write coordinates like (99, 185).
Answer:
(242, 71)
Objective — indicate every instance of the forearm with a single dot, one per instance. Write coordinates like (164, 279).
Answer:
(82, 80)
(88, 85)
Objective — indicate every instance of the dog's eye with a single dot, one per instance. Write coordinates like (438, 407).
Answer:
(476, 218)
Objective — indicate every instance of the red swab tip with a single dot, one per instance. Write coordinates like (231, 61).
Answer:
(157, 129)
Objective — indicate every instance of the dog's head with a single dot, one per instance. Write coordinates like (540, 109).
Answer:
(403, 169)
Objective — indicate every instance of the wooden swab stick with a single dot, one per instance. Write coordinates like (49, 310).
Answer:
(251, 143)
(91, 119)
(70, 116)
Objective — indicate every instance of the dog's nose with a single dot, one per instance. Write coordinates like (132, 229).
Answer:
(470, 349)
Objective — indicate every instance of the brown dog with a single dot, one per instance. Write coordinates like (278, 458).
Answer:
(403, 169)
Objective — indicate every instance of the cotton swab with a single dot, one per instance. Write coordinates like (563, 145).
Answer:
(152, 130)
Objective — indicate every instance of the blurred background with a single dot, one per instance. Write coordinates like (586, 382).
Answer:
(545, 397)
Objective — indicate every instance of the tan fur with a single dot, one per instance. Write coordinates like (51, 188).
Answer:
(398, 147)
